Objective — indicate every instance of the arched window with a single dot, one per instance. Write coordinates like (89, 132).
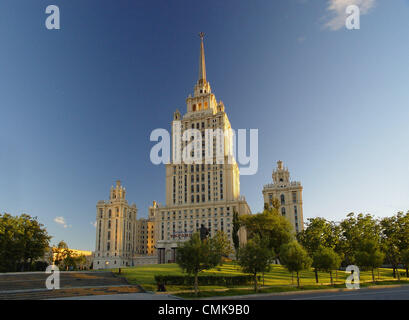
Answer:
(282, 199)
(194, 107)
(283, 211)
(109, 213)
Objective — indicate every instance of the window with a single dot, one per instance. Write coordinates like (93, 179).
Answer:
(282, 199)
(283, 211)
(294, 197)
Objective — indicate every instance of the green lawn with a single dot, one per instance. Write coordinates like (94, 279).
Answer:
(277, 280)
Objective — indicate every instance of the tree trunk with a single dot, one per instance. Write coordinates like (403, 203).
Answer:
(397, 272)
(255, 282)
(298, 280)
(394, 274)
(373, 276)
(336, 275)
(407, 272)
(330, 275)
(196, 284)
(316, 275)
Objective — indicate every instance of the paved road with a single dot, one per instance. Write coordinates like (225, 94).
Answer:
(395, 293)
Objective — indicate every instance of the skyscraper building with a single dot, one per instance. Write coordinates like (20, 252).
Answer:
(205, 192)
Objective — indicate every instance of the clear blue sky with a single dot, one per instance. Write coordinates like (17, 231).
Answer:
(77, 105)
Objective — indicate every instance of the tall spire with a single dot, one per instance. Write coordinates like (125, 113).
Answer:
(202, 64)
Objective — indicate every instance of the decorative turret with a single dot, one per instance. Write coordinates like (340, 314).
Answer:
(117, 193)
(281, 174)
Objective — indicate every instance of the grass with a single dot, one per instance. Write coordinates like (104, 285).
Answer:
(277, 280)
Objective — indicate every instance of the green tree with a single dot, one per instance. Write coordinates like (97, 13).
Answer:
(221, 245)
(10, 253)
(235, 232)
(254, 258)
(270, 226)
(80, 262)
(318, 233)
(353, 231)
(405, 261)
(195, 255)
(369, 256)
(295, 258)
(326, 259)
(62, 255)
(395, 239)
(33, 240)
(22, 241)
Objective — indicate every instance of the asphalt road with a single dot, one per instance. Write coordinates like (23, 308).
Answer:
(395, 293)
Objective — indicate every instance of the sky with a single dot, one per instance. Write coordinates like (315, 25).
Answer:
(77, 105)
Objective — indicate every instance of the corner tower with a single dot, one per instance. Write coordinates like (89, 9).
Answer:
(289, 195)
(115, 226)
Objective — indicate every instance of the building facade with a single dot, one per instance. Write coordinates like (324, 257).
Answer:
(145, 243)
(116, 230)
(202, 192)
(121, 238)
(289, 195)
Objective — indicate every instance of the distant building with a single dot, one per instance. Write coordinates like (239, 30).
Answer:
(289, 195)
(121, 239)
(89, 256)
(145, 243)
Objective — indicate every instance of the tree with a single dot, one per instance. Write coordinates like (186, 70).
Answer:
(195, 255)
(34, 239)
(318, 233)
(369, 256)
(353, 231)
(295, 258)
(235, 232)
(395, 239)
(62, 255)
(254, 258)
(220, 244)
(326, 259)
(270, 226)
(405, 261)
(22, 241)
(80, 262)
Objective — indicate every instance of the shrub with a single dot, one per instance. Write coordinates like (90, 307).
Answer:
(227, 281)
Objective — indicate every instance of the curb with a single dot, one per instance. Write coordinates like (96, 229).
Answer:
(287, 293)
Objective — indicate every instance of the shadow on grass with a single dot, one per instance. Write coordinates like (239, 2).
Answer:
(279, 289)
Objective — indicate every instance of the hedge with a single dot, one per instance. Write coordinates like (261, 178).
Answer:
(205, 280)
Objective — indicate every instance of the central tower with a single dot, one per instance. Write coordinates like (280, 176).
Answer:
(205, 192)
